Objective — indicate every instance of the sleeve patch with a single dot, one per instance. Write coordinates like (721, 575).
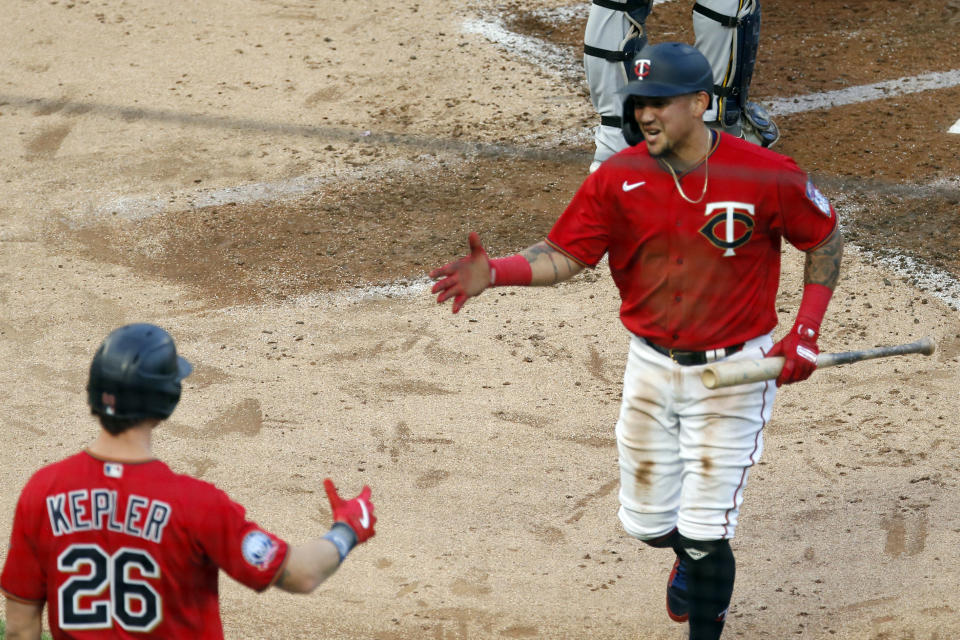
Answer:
(259, 549)
(817, 198)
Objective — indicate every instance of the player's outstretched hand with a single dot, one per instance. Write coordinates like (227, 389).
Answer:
(463, 278)
(356, 513)
(799, 350)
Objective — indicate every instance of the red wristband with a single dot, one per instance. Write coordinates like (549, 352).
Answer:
(513, 270)
(813, 307)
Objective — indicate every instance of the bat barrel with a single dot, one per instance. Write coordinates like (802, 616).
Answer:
(925, 346)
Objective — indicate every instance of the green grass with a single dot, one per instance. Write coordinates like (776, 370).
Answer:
(3, 632)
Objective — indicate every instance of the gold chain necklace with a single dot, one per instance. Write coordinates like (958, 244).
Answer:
(706, 178)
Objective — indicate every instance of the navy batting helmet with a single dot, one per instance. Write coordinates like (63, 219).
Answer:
(136, 374)
(661, 71)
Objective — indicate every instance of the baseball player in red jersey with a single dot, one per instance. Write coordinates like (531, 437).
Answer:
(119, 546)
(691, 220)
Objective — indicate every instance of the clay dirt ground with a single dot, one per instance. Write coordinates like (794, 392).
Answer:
(270, 180)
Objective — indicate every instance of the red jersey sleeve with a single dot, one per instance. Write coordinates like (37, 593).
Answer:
(807, 216)
(246, 552)
(23, 576)
(581, 232)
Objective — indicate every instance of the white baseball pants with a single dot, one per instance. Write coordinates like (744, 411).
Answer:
(685, 451)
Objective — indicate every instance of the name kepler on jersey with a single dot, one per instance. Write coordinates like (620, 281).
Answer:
(98, 509)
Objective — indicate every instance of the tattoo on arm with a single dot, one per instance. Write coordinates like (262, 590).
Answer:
(555, 268)
(556, 271)
(534, 252)
(823, 263)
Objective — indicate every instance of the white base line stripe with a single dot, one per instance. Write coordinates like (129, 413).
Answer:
(936, 282)
(940, 284)
(537, 51)
(863, 93)
(528, 48)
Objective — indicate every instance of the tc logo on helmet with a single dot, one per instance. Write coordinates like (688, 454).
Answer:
(109, 403)
(642, 68)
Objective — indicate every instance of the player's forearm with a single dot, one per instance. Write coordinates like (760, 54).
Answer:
(24, 620)
(308, 566)
(823, 263)
(820, 275)
(549, 266)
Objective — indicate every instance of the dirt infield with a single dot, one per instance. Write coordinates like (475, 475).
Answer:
(270, 181)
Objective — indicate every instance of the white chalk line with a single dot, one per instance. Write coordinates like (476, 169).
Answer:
(939, 284)
(864, 93)
(141, 207)
(531, 48)
(136, 208)
(538, 52)
(399, 290)
(528, 48)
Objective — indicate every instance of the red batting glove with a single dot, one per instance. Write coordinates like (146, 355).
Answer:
(799, 347)
(356, 514)
(799, 350)
(464, 278)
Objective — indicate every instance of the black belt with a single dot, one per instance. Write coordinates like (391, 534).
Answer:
(691, 358)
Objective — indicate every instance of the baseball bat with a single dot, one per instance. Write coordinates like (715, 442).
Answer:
(728, 374)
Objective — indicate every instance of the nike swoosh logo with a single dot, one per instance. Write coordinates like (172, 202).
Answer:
(365, 518)
(630, 187)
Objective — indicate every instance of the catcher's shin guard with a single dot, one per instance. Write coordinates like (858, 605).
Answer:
(728, 34)
(619, 24)
(613, 34)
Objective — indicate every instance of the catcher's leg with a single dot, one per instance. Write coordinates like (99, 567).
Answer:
(613, 33)
(728, 34)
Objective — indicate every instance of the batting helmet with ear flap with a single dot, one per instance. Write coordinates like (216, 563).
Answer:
(136, 374)
(662, 71)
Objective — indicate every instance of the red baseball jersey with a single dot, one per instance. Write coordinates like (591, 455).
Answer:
(124, 550)
(695, 276)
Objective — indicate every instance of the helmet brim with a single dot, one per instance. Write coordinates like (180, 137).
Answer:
(184, 368)
(655, 89)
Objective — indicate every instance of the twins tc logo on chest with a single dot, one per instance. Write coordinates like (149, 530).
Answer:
(729, 225)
